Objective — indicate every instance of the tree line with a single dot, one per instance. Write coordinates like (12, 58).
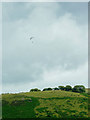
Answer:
(76, 88)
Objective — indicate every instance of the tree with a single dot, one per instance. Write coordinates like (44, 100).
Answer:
(78, 88)
(49, 88)
(46, 89)
(35, 89)
(68, 88)
(56, 88)
(61, 87)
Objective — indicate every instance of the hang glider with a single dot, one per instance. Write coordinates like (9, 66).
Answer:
(31, 38)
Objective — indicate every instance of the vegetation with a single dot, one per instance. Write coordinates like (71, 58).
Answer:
(45, 104)
(35, 89)
(68, 88)
(61, 87)
(48, 103)
(19, 106)
(46, 89)
(79, 89)
(55, 88)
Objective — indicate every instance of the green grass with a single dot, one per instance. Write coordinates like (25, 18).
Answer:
(20, 109)
(62, 107)
(45, 104)
(0, 107)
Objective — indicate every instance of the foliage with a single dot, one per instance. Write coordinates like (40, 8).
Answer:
(68, 88)
(56, 88)
(61, 87)
(46, 89)
(45, 104)
(62, 107)
(35, 89)
(78, 88)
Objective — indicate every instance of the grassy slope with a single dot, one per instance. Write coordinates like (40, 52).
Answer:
(20, 109)
(0, 106)
(54, 104)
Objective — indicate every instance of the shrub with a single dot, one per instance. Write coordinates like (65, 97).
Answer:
(68, 88)
(49, 89)
(56, 88)
(35, 89)
(46, 89)
(61, 87)
(78, 88)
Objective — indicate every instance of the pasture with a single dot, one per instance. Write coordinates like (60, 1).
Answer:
(45, 104)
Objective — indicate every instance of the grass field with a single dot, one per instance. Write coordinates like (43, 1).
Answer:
(45, 104)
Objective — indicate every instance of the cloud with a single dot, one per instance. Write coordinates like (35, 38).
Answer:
(0, 47)
(60, 46)
(54, 78)
(45, 0)
(60, 76)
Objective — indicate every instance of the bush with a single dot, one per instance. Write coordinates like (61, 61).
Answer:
(46, 89)
(49, 89)
(35, 89)
(56, 88)
(61, 87)
(68, 88)
(78, 88)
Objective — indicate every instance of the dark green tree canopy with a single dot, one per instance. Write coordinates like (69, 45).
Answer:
(35, 89)
(56, 88)
(68, 88)
(45, 89)
(61, 87)
(78, 88)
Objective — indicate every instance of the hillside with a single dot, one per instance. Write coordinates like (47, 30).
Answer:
(46, 104)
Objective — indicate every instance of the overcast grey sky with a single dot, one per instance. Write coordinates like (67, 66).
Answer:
(59, 54)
